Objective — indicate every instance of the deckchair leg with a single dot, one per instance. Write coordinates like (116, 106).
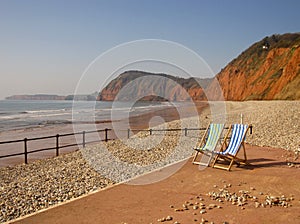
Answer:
(243, 161)
(202, 162)
(215, 160)
(201, 143)
(214, 165)
(211, 158)
(245, 156)
(195, 157)
(230, 165)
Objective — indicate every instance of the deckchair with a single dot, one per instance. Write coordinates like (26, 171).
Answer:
(228, 152)
(208, 144)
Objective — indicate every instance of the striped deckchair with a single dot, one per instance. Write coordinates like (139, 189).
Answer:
(236, 142)
(208, 144)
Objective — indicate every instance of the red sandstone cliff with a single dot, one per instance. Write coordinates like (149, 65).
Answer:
(269, 69)
(138, 85)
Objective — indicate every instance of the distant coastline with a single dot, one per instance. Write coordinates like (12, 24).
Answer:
(83, 97)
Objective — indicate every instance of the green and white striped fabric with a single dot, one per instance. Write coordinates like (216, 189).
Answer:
(214, 134)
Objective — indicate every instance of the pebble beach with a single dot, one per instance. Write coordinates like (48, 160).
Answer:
(25, 189)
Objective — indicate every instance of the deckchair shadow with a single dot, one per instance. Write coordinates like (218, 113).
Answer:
(228, 153)
(208, 144)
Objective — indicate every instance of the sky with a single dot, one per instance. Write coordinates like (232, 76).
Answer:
(46, 47)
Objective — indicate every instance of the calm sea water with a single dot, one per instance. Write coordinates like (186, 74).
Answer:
(15, 114)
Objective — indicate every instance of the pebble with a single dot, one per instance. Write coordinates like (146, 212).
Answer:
(161, 220)
(165, 219)
(242, 198)
(212, 206)
(264, 116)
(63, 177)
(203, 220)
(203, 211)
(185, 207)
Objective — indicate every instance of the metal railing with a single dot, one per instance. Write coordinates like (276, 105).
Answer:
(84, 142)
(57, 146)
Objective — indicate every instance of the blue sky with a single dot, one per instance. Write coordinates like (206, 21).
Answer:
(45, 46)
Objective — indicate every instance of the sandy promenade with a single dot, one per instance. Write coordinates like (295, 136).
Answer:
(275, 124)
(185, 195)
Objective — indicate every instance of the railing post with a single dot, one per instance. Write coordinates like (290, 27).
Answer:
(57, 145)
(185, 132)
(83, 139)
(106, 139)
(25, 150)
(128, 133)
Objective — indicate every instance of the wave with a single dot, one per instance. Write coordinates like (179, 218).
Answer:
(31, 115)
(4, 113)
(139, 107)
(53, 122)
(11, 117)
(43, 111)
(19, 117)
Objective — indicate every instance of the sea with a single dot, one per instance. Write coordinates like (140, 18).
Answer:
(22, 114)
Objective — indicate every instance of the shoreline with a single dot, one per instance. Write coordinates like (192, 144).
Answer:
(135, 122)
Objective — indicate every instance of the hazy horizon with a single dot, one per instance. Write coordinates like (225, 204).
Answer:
(46, 46)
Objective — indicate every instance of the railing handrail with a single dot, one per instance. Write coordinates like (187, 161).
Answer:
(56, 147)
(84, 142)
(100, 130)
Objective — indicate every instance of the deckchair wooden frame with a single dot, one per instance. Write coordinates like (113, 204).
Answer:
(200, 149)
(228, 157)
(200, 145)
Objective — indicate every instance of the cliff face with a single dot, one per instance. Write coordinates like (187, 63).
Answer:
(138, 85)
(269, 69)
